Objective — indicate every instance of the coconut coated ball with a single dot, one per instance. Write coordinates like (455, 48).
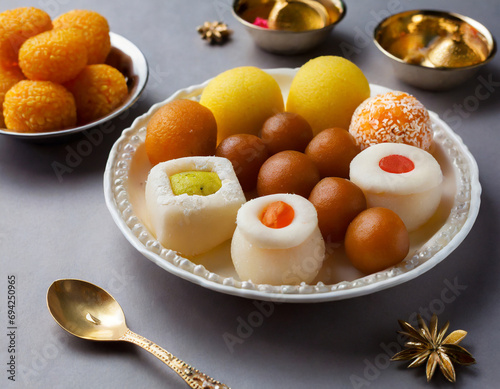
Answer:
(393, 117)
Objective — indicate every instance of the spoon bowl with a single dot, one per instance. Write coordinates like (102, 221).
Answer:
(89, 312)
(86, 310)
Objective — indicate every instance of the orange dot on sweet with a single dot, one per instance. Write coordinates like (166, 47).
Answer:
(277, 214)
(396, 164)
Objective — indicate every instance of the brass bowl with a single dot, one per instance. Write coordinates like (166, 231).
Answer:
(434, 50)
(285, 42)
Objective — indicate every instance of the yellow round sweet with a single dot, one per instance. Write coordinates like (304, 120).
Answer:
(326, 91)
(241, 100)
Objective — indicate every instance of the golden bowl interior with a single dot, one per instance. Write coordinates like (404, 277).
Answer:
(435, 39)
(301, 15)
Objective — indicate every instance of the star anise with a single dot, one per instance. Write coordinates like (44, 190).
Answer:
(214, 32)
(427, 343)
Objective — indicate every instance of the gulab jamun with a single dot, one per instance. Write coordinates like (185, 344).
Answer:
(376, 239)
(286, 131)
(338, 201)
(247, 153)
(287, 172)
(332, 150)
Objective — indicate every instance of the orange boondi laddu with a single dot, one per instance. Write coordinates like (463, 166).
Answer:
(56, 55)
(9, 76)
(95, 29)
(39, 106)
(16, 26)
(98, 90)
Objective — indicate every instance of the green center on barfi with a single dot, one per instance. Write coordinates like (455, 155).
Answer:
(195, 183)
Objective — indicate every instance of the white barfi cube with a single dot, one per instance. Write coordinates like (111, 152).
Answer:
(193, 224)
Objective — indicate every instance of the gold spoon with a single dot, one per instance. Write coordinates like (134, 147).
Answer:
(298, 15)
(89, 312)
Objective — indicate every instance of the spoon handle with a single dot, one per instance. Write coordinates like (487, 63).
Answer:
(194, 378)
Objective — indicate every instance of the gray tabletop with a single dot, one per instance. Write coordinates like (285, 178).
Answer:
(59, 227)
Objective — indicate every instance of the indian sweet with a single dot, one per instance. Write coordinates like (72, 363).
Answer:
(337, 201)
(241, 100)
(98, 90)
(17, 25)
(9, 76)
(286, 131)
(395, 117)
(376, 239)
(277, 241)
(326, 91)
(190, 213)
(55, 55)
(180, 128)
(287, 172)
(95, 29)
(332, 151)
(247, 153)
(38, 106)
(403, 178)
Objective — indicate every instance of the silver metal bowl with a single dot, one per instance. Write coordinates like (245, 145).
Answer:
(288, 42)
(131, 62)
(407, 38)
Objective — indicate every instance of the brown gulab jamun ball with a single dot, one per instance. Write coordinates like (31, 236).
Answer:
(247, 153)
(376, 239)
(338, 201)
(287, 172)
(286, 131)
(332, 150)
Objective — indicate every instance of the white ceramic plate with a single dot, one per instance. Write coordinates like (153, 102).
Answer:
(131, 62)
(124, 181)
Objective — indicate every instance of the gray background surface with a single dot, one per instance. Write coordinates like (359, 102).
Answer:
(52, 229)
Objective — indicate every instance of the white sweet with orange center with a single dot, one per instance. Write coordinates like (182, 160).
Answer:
(403, 178)
(282, 253)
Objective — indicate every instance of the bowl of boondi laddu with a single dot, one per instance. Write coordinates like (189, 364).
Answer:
(66, 75)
